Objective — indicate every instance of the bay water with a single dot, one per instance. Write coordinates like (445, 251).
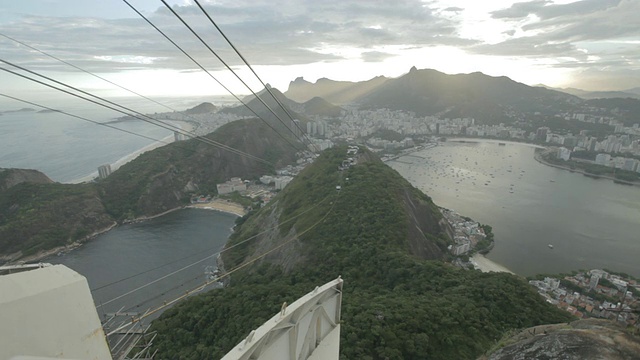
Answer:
(589, 223)
(162, 257)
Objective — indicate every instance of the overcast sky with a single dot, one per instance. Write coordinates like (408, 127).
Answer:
(588, 44)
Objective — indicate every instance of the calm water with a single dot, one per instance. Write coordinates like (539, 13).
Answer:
(178, 239)
(590, 223)
(66, 148)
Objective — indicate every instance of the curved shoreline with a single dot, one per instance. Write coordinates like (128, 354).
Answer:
(45, 254)
(486, 265)
(494, 141)
(226, 207)
(538, 158)
(183, 125)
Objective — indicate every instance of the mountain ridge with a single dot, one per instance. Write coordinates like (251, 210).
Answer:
(36, 217)
(321, 107)
(397, 304)
(12, 177)
(588, 95)
(424, 221)
(430, 92)
(335, 92)
(203, 108)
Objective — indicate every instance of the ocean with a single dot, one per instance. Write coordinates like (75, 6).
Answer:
(68, 149)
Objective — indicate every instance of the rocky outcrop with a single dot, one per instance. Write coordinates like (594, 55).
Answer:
(423, 226)
(13, 177)
(578, 340)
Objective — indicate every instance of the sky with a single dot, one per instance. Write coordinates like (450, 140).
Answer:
(587, 44)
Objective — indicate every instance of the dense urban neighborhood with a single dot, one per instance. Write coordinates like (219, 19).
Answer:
(593, 294)
(594, 139)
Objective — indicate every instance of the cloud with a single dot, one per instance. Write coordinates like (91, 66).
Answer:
(292, 32)
(375, 56)
(578, 35)
(520, 10)
(453, 9)
(528, 46)
(578, 21)
(606, 79)
(545, 9)
(266, 32)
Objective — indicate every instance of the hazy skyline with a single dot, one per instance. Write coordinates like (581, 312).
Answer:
(590, 44)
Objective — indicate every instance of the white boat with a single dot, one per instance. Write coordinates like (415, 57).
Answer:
(550, 246)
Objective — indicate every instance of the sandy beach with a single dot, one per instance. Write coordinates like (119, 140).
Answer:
(221, 205)
(485, 265)
(183, 125)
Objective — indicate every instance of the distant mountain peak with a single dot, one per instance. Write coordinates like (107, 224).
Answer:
(204, 108)
(413, 69)
(335, 92)
(483, 97)
(319, 106)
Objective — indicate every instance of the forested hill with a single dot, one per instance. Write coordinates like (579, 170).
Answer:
(163, 179)
(204, 108)
(254, 105)
(37, 215)
(12, 177)
(378, 233)
(486, 98)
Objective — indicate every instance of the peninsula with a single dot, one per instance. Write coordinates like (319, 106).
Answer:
(388, 240)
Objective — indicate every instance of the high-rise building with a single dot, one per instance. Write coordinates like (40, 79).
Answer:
(235, 184)
(603, 159)
(629, 164)
(296, 128)
(564, 154)
(104, 171)
(593, 282)
(322, 128)
(541, 133)
(282, 181)
(553, 283)
(177, 136)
